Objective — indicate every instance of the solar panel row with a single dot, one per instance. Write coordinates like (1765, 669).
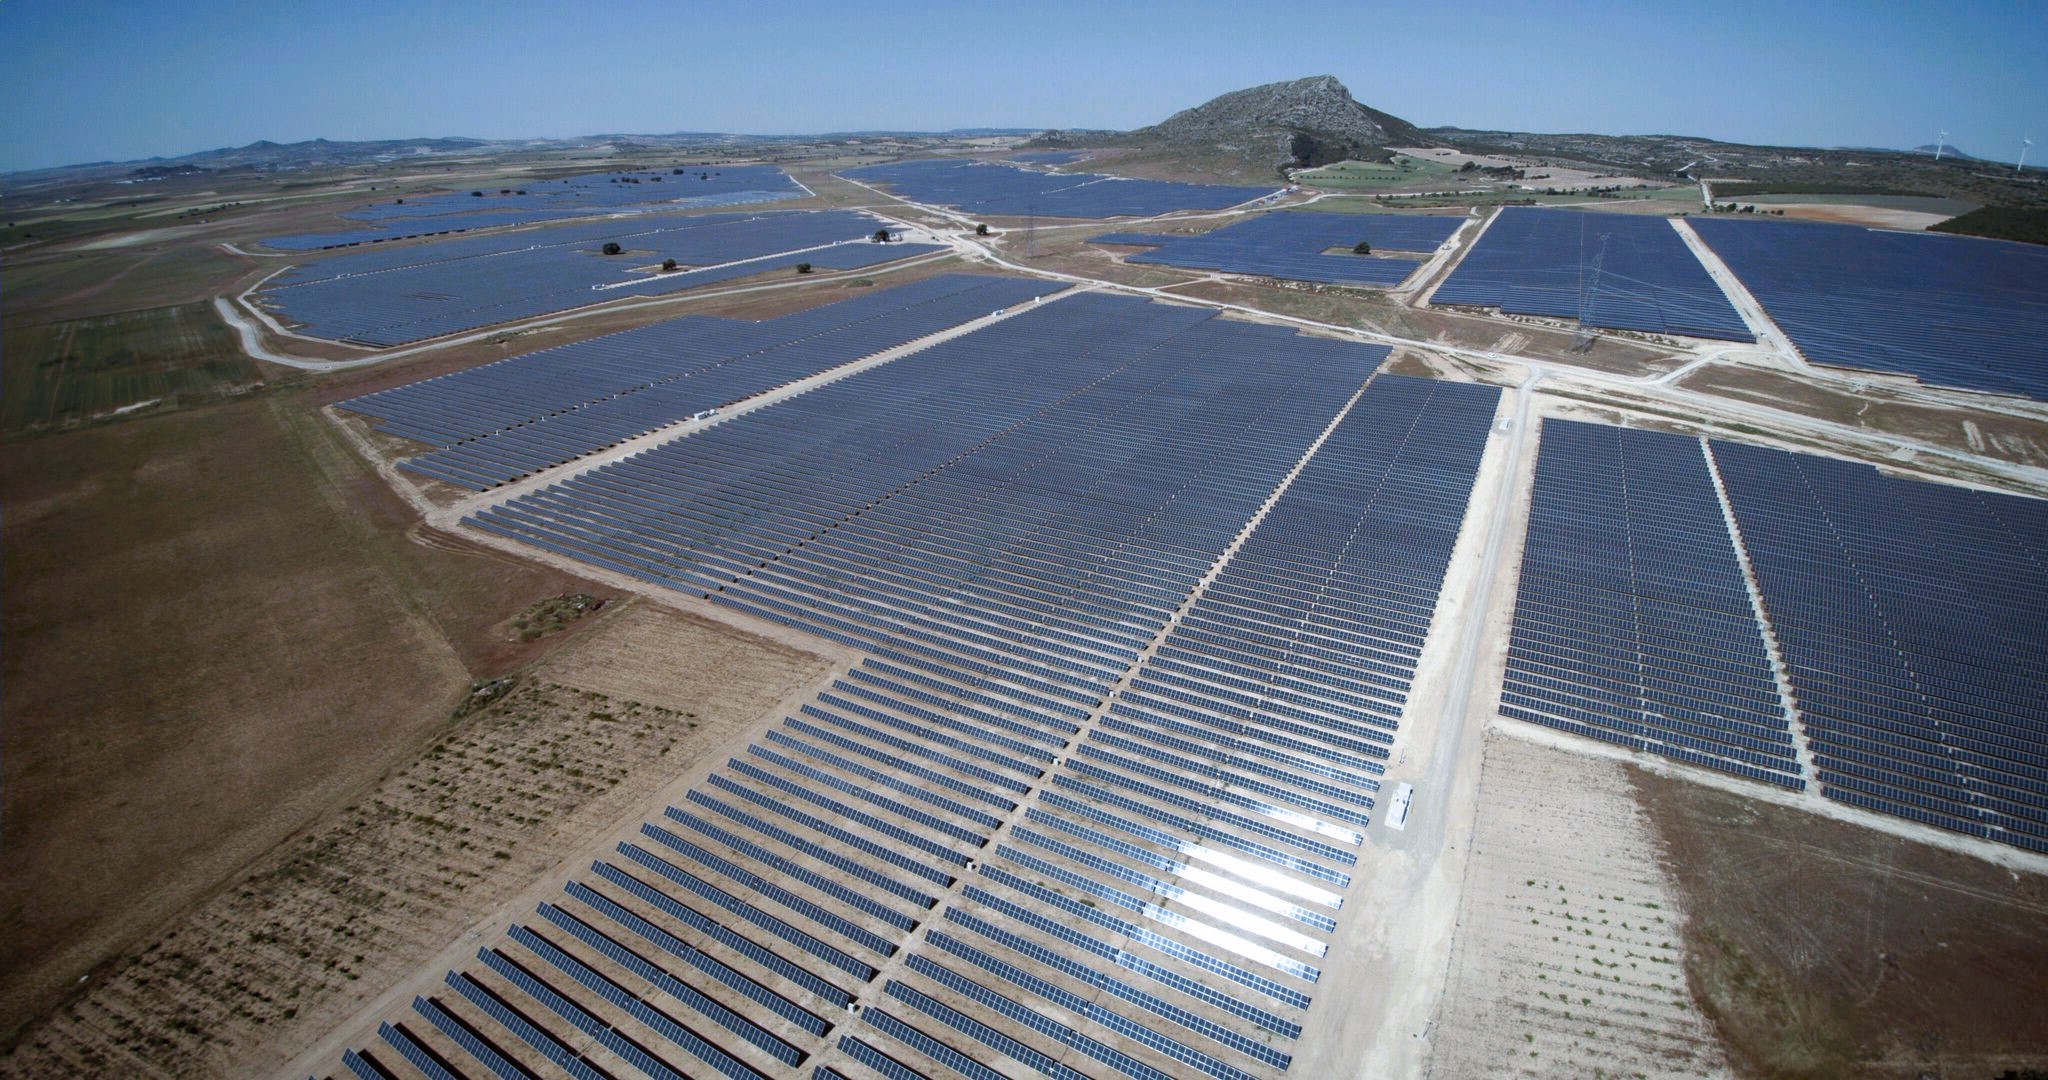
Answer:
(417, 299)
(1619, 271)
(504, 420)
(1292, 245)
(1633, 621)
(1913, 617)
(1949, 310)
(1920, 678)
(995, 188)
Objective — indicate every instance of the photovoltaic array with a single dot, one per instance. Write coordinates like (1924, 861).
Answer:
(1913, 617)
(1949, 310)
(502, 421)
(828, 454)
(995, 188)
(549, 200)
(1293, 246)
(1618, 271)
(1911, 620)
(1148, 890)
(1633, 621)
(403, 295)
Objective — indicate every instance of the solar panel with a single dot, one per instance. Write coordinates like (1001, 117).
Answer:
(1618, 271)
(1633, 619)
(1913, 619)
(675, 946)
(1292, 245)
(1948, 310)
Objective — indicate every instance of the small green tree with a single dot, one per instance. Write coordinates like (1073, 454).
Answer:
(981, 230)
(803, 268)
(881, 236)
(611, 247)
(1361, 248)
(477, 194)
(668, 266)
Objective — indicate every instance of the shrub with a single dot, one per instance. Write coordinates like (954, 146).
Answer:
(668, 266)
(611, 247)
(1361, 248)
(803, 268)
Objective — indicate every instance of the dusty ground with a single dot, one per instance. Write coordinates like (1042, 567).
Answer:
(330, 919)
(1822, 949)
(2012, 438)
(193, 601)
(1568, 957)
(1881, 217)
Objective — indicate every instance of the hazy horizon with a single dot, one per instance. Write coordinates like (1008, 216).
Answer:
(91, 82)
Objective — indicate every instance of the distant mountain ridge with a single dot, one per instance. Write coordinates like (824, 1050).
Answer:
(315, 153)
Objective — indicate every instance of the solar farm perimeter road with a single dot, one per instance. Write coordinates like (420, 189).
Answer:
(1423, 863)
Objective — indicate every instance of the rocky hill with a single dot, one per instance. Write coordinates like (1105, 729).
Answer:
(1306, 122)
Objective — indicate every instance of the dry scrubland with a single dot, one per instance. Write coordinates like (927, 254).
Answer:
(329, 920)
(1570, 941)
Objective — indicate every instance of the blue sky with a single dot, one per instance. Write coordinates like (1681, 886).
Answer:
(88, 81)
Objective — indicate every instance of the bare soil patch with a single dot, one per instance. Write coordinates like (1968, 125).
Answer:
(1882, 217)
(1568, 960)
(1998, 435)
(683, 661)
(1823, 949)
(1610, 352)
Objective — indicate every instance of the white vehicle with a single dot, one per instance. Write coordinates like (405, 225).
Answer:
(1397, 811)
(704, 415)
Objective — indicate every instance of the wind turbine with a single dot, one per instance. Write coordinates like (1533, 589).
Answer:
(2022, 166)
(1939, 145)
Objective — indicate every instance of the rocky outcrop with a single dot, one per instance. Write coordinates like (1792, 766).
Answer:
(1312, 121)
